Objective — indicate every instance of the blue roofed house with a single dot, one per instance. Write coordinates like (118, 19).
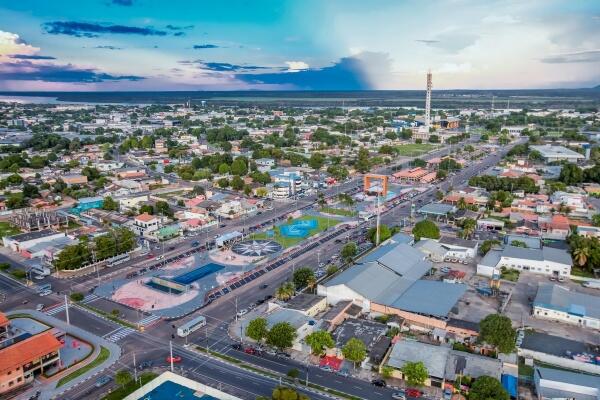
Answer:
(554, 384)
(558, 303)
(388, 281)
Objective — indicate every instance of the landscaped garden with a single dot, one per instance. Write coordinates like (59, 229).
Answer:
(295, 231)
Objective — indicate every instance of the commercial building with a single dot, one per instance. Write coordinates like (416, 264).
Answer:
(24, 241)
(22, 356)
(544, 261)
(554, 384)
(558, 303)
(557, 153)
(145, 224)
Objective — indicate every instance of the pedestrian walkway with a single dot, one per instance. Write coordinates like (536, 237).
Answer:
(119, 334)
(55, 310)
(150, 320)
(89, 298)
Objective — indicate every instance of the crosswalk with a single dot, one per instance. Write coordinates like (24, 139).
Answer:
(89, 298)
(55, 310)
(119, 334)
(150, 320)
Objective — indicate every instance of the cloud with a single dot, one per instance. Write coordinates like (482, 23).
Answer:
(500, 20)
(31, 57)
(574, 57)
(11, 43)
(91, 29)
(206, 46)
(108, 47)
(221, 66)
(349, 73)
(427, 41)
(296, 65)
(450, 68)
(28, 71)
(125, 3)
(179, 28)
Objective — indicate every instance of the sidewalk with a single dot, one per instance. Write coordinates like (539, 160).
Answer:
(48, 389)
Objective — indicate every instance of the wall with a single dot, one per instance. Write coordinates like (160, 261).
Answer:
(421, 320)
(559, 361)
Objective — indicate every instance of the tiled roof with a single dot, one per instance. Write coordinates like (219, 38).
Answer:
(27, 351)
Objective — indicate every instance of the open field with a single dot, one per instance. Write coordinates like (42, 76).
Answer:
(414, 149)
(323, 223)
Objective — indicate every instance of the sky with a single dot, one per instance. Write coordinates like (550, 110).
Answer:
(131, 45)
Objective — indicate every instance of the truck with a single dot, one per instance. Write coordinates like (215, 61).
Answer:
(591, 284)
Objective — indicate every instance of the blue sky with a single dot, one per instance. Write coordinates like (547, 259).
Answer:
(302, 44)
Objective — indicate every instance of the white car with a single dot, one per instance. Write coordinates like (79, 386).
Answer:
(39, 307)
(242, 312)
(45, 292)
(39, 277)
(159, 258)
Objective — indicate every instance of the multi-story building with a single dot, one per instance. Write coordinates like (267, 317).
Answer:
(145, 224)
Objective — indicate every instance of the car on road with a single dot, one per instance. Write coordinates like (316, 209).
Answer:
(343, 372)
(379, 383)
(401, 395)
(171, 248)
(242, 312)
(270, 351)
(283, 354)
(264, 286)
(103, 380)
(39, 307)
(195, 244)
(159, 258)
(250, 350)
(145, 364)
(39, 277)
(326, 368)
(412, 392)
(175, 359)
(46, 293)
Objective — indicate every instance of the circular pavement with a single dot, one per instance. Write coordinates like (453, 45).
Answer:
(256, 248)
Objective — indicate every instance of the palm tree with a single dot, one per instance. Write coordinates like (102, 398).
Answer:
(581, 255)
(285, 291)
(312, 282)
(462, 204)
(468, 227)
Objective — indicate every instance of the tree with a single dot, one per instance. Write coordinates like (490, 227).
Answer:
(162, 207)
(239, 167)
(237, 183)
(363, 163)
(123, 377)
(581, 255)
(110, 204)
(462, 203)
(570, 174)
(281, 335)
(487, 388)
(286, 393)
(257, 329)
(468, 227)
(147, 208)
(497, 330)
(302, 276)
(384, 233)
(487, 245)
(285, 291)
(426, 229)
(415, 373)
(76, 296)
(355, 351)
(596, 220)
(316, 160)
(518, 243)
(319, 341)
(349, 251)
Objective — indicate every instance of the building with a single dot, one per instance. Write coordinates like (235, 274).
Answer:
(410, 175)
(555, 384)
(23, 241)
(308, 304)
(557, 153)
(160, 146)
(558, 303)
(544, 261)
(32, 219)
(265, 164)
(144, 224)
(169, 385)
(437, 210)
(516, 130)
(459, 248)
(74, 179)
(87, 203)
(23, 356)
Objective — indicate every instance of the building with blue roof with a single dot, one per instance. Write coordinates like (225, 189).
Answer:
(561, 384)
(557, 302)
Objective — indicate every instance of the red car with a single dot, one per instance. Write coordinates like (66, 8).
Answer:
(149, 256)
(413, 392)
(249, 350)
(175, 359)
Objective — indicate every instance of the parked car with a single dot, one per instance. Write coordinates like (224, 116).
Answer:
(242, 312)
(237, 346)
(401, 395)
(264, 286)
(447, 394)
(283, 354)
(159, 258)
(412, 392)
(250, 350)
(343, 372)
(326, 368)
(46, 293)
(103, 380)
(379, 383)
(39, 307)
(445, 270)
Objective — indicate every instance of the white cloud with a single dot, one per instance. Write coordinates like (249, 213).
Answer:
(296, 65)
(452, 68)
(500, 19)
(11, 43)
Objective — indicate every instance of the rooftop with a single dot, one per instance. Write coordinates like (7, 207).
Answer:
(24, 237)
(559, 298)
(434, 357)
(574, 385)
(303, 301)
(548, 150)
(27, 350)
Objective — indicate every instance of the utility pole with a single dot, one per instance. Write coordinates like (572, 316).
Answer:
(377, 229)
(171, 352)
(134, 368)
(67, 310)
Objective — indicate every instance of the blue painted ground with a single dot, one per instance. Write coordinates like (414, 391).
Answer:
(172, 390)
(198, 273)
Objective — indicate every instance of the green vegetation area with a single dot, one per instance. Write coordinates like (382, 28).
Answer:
(8, 229)
(579, 271)
(102, 356)
(339, 211)
(509, 274)
(132, 386)
(414, 149)
(525, 370)
(322, 224)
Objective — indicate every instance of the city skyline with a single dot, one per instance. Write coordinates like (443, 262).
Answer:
(271, 45)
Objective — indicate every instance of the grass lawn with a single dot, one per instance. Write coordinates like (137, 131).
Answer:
(103, 356)
(131, 387)
(578, 271)
(509, 274)
(8, 229)
(414, 149)
(525, 370)
(339, 211)
(322, 223)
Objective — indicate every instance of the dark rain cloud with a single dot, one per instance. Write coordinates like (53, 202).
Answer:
(179, 28)
(28, 71)
(108, 47)
(91, 29)
(31, 57)
(206, 46)
(349, 73)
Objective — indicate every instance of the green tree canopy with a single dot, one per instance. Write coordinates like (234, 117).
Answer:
(349, 251)
(302, 277)
(257, 329)
(281, 335)
(355, 350)
(384, 233)
(123, 377)
(487, 388)
(319, 341)
(286, 393)
(497, 330)
(426, 229)
(415, 373)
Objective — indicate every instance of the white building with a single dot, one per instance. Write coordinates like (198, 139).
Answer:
(516, 130)
(555, 384)
(557, 153)
(145, 224)
(558, 303)
(545, 261)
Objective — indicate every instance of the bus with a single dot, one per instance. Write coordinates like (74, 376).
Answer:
(40, 270)
(191, 326)
(43, 287)
(119, 259)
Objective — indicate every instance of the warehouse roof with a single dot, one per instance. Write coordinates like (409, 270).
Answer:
(418, 298)
(559, 298)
